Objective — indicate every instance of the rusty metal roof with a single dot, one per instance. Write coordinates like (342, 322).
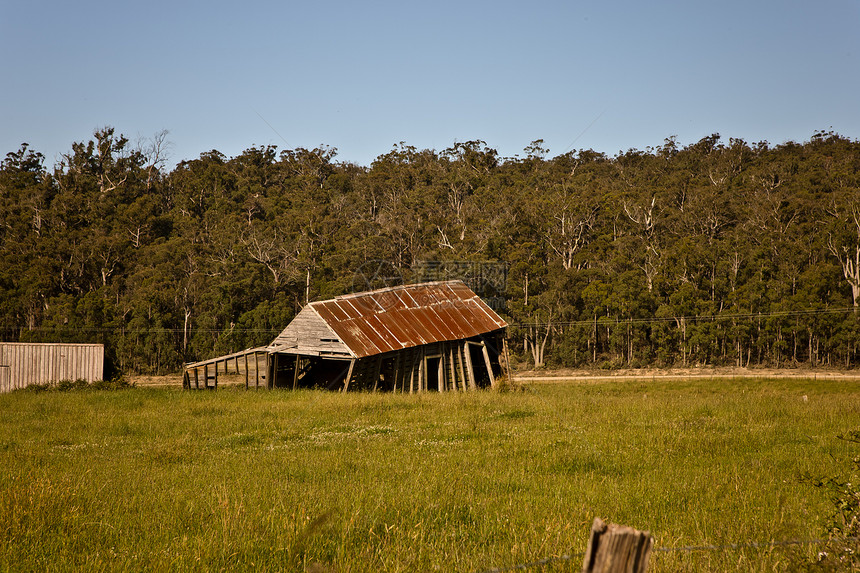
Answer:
(405, 316)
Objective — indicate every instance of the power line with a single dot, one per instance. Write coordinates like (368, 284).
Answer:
(601, 321)
(609, 321)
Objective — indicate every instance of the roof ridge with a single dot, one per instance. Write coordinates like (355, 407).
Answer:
(389, 289)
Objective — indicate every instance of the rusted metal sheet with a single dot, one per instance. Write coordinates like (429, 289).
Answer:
(22, 364)
(407, 316)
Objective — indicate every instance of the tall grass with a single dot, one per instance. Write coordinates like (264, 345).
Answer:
(273, 481)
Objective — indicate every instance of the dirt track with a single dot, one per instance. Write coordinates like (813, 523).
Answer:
(678, 373)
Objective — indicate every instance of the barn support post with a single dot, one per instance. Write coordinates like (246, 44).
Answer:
(415, 371)
(488, 364)
(398, 370)
(216, 372)
(440, 373)
(422, 371)
(196, 379)
(452, 371)
(470, 369)
(246, 371)
(377, 367)
(399, 380)
(206, 376)
(508, 370)
(256, 370)
(457, 350)
(413, 366)
(296, 365)
(348, 375)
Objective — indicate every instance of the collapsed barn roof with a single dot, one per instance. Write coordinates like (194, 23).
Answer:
(385, 320)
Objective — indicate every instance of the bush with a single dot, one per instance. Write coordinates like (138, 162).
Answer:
(118, 383)
(841, 553)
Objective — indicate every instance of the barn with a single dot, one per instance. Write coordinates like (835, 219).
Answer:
(26, 363)
(437, 336)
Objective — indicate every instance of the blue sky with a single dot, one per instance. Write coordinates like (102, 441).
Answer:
(363, 76)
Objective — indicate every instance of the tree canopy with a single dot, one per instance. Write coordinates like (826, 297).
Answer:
(718, 253)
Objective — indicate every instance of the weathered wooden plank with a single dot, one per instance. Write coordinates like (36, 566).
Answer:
(488, 364)
(27, 363)
(616, 549)
(398, 369)
(458, 350)
(470, 369)
(422, 371)
(226, 357)
(508, 371)
(376, 371)
(309, 334)
(349, 375)
(452, 371)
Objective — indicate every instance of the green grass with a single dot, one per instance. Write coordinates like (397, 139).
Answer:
(271, 481)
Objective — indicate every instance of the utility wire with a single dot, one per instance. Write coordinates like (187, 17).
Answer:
(601, 321)
(609, 321)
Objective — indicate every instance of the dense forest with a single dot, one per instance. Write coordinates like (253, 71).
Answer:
(717, 253)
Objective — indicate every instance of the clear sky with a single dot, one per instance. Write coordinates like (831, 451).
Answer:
(362, 76)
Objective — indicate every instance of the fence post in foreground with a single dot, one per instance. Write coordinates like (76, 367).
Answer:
(616, 549)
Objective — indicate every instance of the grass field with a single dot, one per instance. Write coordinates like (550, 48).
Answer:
(161, 479)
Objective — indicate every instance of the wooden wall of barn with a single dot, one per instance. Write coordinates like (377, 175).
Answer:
(22, 363)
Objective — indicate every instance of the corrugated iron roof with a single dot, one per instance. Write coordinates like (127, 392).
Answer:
(405, 316)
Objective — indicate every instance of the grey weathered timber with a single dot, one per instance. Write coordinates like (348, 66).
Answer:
(25, 363)
(310, 333)
(457, 350)
(507, 369)
(440, 374)
(296, 365)
(467, 355)
(488, 363)
(349, 375)
(452, 370)
(616, 549)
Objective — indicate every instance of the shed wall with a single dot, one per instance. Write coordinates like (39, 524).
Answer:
(24, 363)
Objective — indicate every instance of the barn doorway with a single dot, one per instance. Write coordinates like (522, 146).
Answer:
(433, 365)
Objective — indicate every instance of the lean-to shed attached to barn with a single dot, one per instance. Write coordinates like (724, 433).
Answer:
(433, 336)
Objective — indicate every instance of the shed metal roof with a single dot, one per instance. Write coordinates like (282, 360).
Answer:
(401, 317)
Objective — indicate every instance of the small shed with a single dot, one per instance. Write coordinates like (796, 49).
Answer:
(436, 336)
(25, 363)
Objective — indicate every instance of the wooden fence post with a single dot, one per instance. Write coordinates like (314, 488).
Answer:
(616, 549)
